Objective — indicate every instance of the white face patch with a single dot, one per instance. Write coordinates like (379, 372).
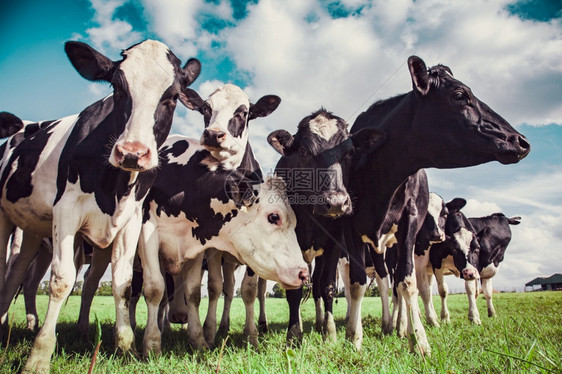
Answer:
(323, 127)
(434, 209)
(463, 237)
(224, 102)
(149, 73)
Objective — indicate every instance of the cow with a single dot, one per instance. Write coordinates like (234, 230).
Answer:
(440, 123)
(494, 235)
(227, 113)
(85, 176)
(456, 254)
(316, 163)
(196, 204)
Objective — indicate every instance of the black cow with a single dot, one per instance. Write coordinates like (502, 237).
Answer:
(438, 124)
(316, 163)
(88, 174)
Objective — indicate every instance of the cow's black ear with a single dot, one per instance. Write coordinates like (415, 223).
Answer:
(91, 64)
(264, 107)
(514, 220)
(193, 101)
(191, 70)
(367, 140)
(282, 141)
(419, 74)
(455, 205)
(9, 124)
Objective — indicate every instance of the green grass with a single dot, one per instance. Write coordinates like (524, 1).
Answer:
(526, 337)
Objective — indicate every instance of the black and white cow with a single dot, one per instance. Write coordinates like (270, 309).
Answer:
(315, 163)
(86, 175)
(457, 254)
(440, 123)
(227, 115)
(494, 235)
(196, 204)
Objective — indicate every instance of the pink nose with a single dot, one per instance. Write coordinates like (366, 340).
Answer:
(304, 275)
(132, 155)
(469, 274)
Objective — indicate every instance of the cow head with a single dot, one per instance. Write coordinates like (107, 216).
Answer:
(434, 222)
(464, 130)
(321, 152)
(146, 85)
(267, 242)
(461, 241)
(227, 112)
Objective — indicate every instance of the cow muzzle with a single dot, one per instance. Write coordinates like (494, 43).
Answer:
(132, 156)
(213, 138)
(333, 205)
(470, 273)
(293, 278)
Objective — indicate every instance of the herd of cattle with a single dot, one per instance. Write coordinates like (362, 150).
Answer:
(111, 186)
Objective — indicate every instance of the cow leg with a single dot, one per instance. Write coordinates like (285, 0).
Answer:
(317, 292)
(383, 283)
(471, 287)
(38, 268)
(136, 290)
(343, 269)
(214, 287)
(443, 293)
(100, 261)
(122, 258)
(262, 320)
(228, 269)
(153, 285)
(358, 281)
(6, 228)
(488, 292)
(406, 284)
(17, 273)
(63, 275)
(424, 287)
(401, 315)
(191, 274)
(328, 283)
(294, 331)
(249, 290)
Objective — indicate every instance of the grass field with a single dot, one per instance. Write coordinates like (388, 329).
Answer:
(526, 337)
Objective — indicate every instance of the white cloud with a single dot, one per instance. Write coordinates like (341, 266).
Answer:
(111, 34)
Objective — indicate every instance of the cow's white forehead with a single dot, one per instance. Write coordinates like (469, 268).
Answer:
(323, 127)
(435, 205)
(147, 67)
(464, 237)
(226, 96)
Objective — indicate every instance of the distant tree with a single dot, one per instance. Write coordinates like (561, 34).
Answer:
(105, 289)
(77, 289)
(43, 288)
(278, 291)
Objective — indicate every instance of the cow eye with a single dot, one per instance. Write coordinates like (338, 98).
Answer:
(459, 96)
(274, 219)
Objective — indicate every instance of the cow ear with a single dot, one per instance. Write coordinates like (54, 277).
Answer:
(91, 64)
(486, 231)
(191, 70)
(265, 106)
(367, 140)
(9, 124)
(455, 205)
(241, 190)
(419, 74)
(514, 220)
(193, 101)
(282, 141)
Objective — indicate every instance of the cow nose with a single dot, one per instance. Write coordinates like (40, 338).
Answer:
(334, 205)
(132, 155)
(304, 276)
(524, 144)
(213, 138)
(469, 274)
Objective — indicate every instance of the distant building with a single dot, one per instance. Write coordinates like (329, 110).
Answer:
(552, 283)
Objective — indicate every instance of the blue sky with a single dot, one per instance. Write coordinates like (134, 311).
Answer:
(342, 55)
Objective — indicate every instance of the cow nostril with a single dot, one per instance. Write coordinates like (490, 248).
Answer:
(303, 275)
(220, 135)
(524, 143)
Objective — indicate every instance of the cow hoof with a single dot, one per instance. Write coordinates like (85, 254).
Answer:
(475, 321)
(294, 335)
(263, 327)
(433, 322)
